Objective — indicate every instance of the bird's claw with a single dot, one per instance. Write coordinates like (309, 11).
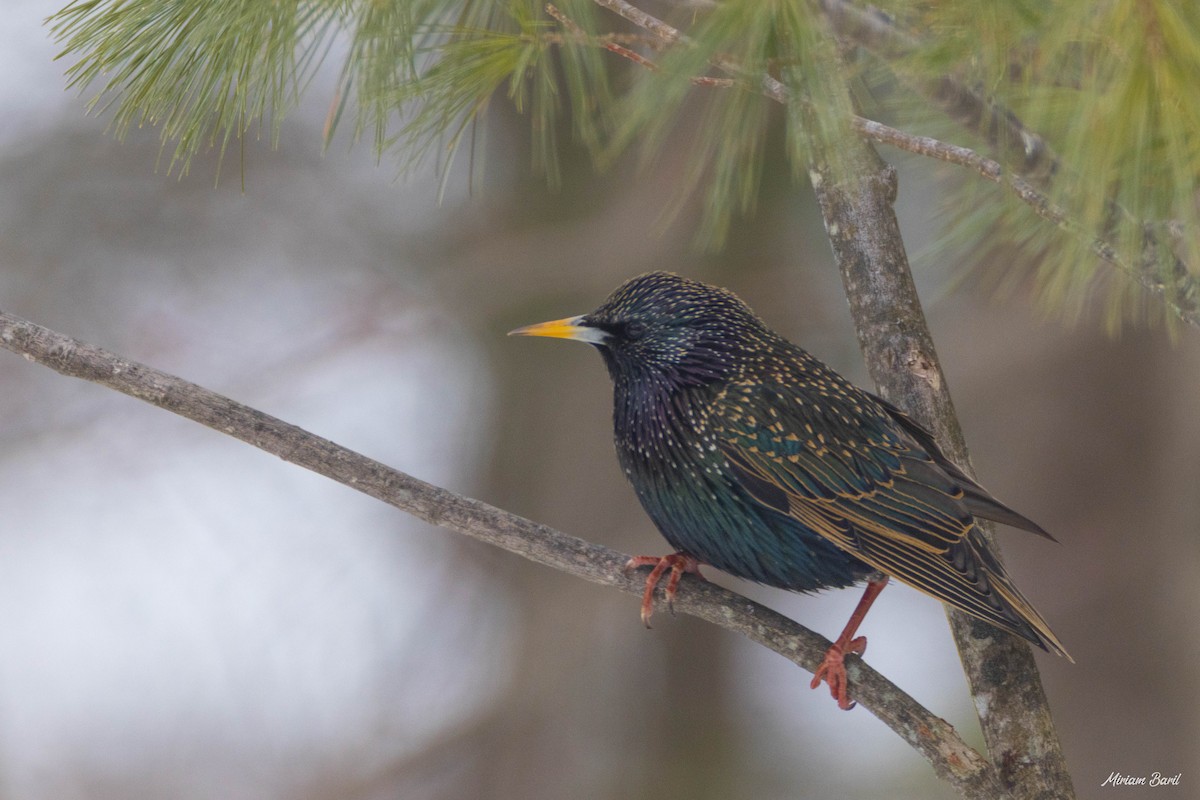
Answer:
(832, 670)
(676, 563)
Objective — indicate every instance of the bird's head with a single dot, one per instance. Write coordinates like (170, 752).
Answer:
(662, 326)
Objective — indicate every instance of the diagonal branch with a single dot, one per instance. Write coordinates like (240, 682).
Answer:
(993, 171)
(952, 759)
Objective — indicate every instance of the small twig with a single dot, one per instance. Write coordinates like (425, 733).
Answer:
(636, 58)
(951, 758)
(993, 171)
(580, 34)
(646, 22)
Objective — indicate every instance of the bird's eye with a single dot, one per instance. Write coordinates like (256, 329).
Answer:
(635, 329)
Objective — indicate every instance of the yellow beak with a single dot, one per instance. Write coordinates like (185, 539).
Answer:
(567, 328)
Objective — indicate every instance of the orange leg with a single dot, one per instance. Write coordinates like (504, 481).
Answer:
(833, 669)
(677, 563)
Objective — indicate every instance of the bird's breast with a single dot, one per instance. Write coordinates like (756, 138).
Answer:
(670, 452)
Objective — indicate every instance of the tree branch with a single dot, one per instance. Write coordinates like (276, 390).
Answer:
(993, 171)
(860, 220)
(952, 759)
(895, 339)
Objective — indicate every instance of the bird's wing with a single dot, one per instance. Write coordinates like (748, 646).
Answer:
(841, 467)
(977, 499)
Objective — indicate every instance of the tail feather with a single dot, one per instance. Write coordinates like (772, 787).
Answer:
(1029, 623)
(982, 504)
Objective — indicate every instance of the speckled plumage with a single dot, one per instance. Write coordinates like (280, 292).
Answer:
(753, 456)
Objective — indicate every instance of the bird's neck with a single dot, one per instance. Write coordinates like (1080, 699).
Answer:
(651, 415)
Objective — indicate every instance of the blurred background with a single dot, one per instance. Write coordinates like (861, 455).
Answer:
(182, 616)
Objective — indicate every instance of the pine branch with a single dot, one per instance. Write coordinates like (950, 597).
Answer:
(242, 65)
(1028, 152)
(952, 759)
(993, 171)
(1035, 163)
(1031, 158)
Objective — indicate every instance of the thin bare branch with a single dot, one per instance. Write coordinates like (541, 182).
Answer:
(579, 34)
(952, 759)
(993, 171)
(647, 22)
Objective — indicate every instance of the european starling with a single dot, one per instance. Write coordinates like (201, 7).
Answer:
(754, 457)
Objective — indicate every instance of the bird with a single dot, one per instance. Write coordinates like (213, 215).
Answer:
(753, 457)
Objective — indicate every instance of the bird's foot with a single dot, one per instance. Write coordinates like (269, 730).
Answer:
(677, 563)
(833, 669)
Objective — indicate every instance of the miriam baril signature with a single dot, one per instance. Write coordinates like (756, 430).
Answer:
(1153, 779)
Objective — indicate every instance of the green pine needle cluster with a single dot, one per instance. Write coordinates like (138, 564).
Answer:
(1112, 87)
(1109, 84)
(726, 123)
(419, 75)
(202, 72)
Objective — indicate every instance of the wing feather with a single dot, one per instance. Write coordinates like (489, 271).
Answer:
(873, 490)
